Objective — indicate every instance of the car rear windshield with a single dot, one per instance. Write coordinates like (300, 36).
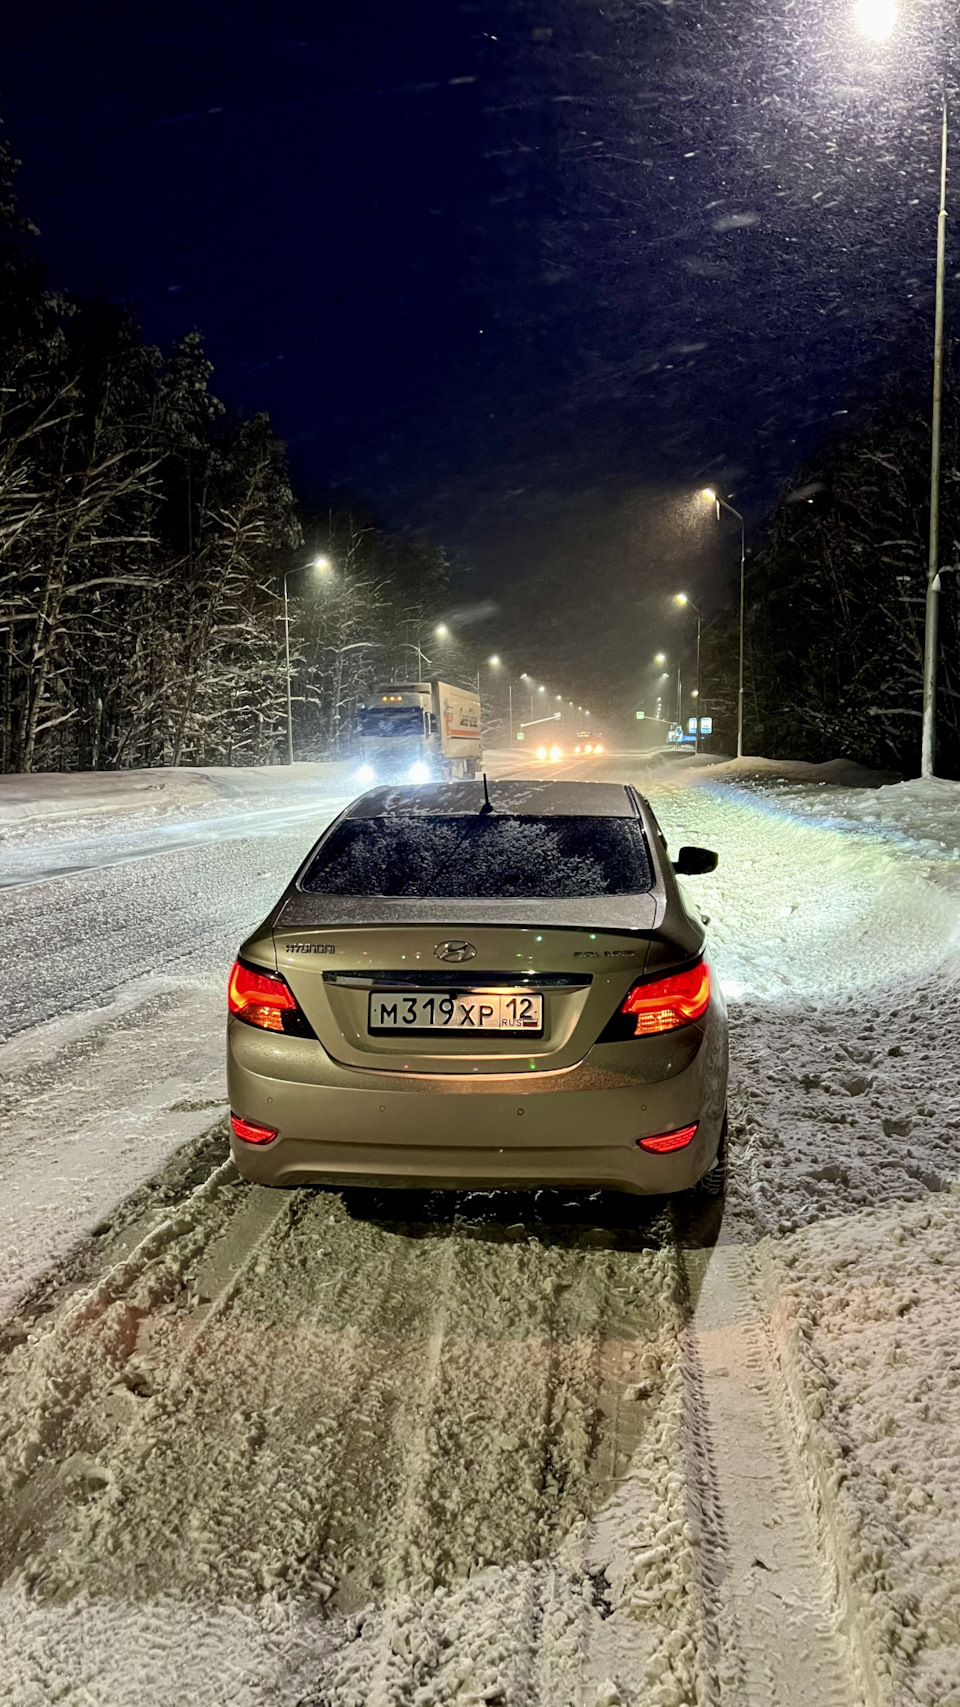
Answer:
(488, 857)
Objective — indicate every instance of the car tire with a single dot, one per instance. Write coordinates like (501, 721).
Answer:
(713, 1183)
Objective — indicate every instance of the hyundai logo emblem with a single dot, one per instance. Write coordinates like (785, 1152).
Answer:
(455, 951)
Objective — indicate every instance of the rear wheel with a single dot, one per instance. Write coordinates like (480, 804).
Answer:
(714, 1182)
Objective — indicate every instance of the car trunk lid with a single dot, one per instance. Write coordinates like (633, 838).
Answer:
(334, 969)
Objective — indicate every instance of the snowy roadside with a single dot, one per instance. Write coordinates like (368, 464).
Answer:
(845, 1187)
(865, 1313)
(58, 804)
(923, 814)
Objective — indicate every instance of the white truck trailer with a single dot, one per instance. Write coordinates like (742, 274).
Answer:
(419, 732)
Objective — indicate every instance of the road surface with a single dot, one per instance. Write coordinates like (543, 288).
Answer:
(354, 1449)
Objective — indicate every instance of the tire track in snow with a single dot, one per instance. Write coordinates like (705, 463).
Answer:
(526, 1509)
(445, 1441)
(774, 1628)
(59, 1377)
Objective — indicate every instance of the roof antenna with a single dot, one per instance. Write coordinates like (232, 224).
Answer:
(487, 802)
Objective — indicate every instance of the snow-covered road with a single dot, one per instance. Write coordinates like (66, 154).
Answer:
(339, 1449)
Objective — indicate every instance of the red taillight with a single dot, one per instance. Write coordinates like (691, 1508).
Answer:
(260, 998)
(669, 1140)
(250, 1132)
(665, 1003)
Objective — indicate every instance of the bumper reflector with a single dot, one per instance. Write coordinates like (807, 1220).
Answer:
(250, 1132)
(669, 1140)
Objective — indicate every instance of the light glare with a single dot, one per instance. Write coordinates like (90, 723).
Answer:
(875, 19)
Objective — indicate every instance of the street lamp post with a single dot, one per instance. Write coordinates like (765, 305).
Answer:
(318, 563)
(494, 664)
(932, 613)
(722, 504)
(286, 647)
(877, 20)
(683, 599)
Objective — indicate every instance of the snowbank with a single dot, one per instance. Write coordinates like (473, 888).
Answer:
(866, 1313)
(28, 801)
(924, 813)
(842, 773)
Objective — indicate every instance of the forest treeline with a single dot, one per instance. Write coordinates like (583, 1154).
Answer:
(145, 533)
(835, 598)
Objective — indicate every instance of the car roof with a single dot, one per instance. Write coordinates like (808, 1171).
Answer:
(535, 799)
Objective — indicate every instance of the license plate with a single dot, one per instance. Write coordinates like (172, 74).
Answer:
(456, 1010)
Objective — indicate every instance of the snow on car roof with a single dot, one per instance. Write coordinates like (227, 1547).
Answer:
(520, 799)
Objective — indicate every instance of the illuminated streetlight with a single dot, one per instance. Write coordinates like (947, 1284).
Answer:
(541, 688)
(441, 631)
(722, 504)
(318, 563)
(875, 18)
(684, 599)
(659, 657)
(494, 661)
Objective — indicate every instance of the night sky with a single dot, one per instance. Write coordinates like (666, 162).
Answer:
(524, 274)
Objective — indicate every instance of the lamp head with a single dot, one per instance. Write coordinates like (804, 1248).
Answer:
(875, 19)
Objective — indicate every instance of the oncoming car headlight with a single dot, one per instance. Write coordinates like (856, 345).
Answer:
(556, 753)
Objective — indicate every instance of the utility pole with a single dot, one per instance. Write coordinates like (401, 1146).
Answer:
(932, 615)
(696, 738)
(722, 504)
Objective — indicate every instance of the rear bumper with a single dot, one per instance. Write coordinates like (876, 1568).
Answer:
(576, 1128)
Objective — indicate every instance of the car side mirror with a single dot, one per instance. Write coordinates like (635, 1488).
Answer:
(693, 862)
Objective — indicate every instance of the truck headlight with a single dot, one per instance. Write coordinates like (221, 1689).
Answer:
(419, 772)
(366, 775)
